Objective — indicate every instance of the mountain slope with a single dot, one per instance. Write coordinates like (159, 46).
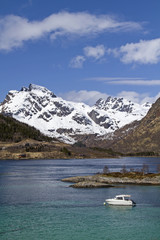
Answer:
(145, 137)
(55, 117)
(12, 130)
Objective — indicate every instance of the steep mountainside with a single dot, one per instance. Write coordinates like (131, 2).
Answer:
(109, 140)
(55, 117)
(145, 137)
(12, 130)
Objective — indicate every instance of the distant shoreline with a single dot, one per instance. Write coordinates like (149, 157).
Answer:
(34, 149)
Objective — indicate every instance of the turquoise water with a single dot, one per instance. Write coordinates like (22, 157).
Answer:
(35, 204)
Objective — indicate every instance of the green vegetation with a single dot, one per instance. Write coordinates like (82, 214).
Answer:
(109, 151)
(142, 154)
(12, 130)
(79, 144)
(66, 151)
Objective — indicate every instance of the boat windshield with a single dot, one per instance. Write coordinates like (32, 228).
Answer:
(119, 198)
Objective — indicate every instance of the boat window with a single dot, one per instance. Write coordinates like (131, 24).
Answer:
(126, 198)
(119, 198)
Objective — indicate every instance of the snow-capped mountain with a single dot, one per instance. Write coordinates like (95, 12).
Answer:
(55, 117)
(122, 111)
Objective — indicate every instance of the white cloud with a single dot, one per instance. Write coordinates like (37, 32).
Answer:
(77, 62)
(95, 52)
(144, 52)
(90, 97)
(138, 97)
(87, 97)
(137, 82)
(15, 30)
(133, 96)
(126, 81)
(111, 79)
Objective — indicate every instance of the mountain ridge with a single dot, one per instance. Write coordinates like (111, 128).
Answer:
(56, 117)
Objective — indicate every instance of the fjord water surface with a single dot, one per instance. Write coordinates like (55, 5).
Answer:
(35, 204)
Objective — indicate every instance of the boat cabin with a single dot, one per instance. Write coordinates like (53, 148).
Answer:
(123, 197)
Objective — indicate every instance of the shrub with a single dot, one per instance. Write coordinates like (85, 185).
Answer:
(106, 169)
(123, 170)
(79, 144)
(66, 151)
(145, 169)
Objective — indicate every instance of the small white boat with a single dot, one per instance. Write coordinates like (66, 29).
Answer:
(120, 200)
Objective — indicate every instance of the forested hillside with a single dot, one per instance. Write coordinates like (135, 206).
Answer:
(14, 131)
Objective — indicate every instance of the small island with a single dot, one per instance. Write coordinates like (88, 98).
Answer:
(113, 179)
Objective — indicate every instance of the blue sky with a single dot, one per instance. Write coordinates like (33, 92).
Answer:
(81, 50)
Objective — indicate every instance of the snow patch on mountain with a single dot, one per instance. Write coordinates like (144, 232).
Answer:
(122, 111)
(55, 117)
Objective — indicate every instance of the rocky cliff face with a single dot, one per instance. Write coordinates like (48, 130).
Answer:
(55, 117)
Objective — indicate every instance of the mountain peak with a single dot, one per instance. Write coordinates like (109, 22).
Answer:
(39, 107)
(121, 105)
(37, 88)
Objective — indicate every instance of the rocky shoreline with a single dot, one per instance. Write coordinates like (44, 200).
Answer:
(112, 179)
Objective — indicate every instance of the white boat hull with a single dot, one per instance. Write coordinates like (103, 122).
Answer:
(119, 202)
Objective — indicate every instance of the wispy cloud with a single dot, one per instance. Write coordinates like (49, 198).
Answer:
(77, 62)
(143, 52)
(138, 97)
(90, 97)
(15, 30)
(137, 82)
(126, 81)
(27, 4)
(106, 79)
(95, 52)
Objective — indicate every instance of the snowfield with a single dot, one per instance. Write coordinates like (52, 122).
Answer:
(55, 117)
